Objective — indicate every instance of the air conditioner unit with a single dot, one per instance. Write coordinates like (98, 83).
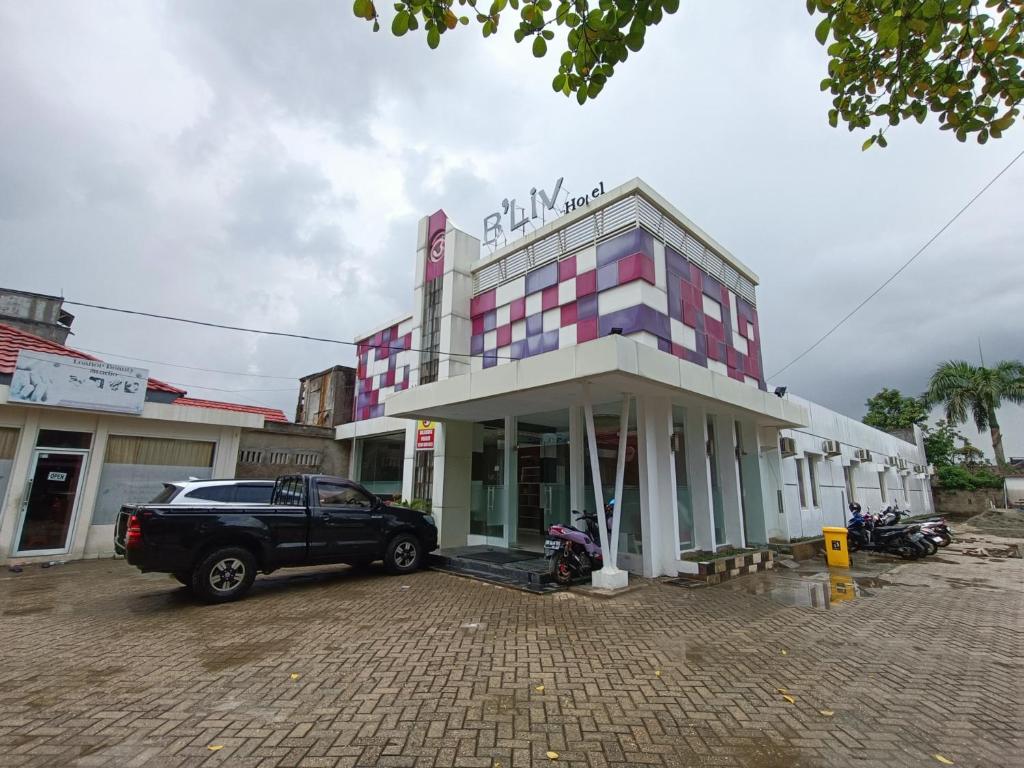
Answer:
(862, 454)
(831, 448)
(787, 446)
(892, 461)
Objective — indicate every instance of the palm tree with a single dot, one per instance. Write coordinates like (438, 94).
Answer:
(963, 388)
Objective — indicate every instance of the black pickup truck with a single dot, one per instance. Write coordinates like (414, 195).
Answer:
(311, 520)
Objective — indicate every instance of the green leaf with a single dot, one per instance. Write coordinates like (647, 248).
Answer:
(360, 8)
(581, 95)
(833, 117)
(822, 30)
(867, 144)
(540, 46)
(433, 37)
(400, 24)
(559, 82)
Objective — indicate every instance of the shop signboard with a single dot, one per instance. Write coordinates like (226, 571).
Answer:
(71, 382)
(425, 432)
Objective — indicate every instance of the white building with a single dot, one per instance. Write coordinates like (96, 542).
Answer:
(66, 470)
(620, 312)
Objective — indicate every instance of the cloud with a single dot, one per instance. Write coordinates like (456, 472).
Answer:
(265, 164)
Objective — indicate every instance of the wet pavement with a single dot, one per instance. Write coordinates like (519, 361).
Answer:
(890, 664)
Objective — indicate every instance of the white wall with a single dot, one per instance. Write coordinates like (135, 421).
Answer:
(831, 508)
(158, 420)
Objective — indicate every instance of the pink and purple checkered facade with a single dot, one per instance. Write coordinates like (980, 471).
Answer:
(629, 282)
(383, 366)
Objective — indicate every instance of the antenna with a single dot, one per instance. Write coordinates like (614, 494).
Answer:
(980, 355)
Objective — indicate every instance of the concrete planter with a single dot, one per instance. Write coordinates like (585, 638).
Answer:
(719, 569)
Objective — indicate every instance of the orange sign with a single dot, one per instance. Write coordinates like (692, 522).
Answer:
(425, 432)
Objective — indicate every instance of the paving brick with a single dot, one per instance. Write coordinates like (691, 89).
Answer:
(112, 668)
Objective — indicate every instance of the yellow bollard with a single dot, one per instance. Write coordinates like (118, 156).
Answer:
(836, 551)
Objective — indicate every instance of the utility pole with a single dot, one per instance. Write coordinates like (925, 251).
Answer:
(981, 357)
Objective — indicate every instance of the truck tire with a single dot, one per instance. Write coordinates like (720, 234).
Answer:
(404, 554)
(223, 575)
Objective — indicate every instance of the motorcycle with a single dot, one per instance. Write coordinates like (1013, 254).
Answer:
(906, 541)
(936, 531)
(574, 553)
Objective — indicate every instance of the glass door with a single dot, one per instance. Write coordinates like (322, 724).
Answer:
(51, 500)
(488, 511)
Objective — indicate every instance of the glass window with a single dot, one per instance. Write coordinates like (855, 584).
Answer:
(58, 438)
(684, 503)
(251, 493)
(812, 471)
(221, 493)
(290, 492)
(382, 459)
(488, 501)
(336, 494)
(800, 483)
(423, 476)
(169, 492)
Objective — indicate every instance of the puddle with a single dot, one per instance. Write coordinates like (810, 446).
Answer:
(819, 591)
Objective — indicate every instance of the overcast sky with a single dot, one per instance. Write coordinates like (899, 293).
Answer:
(264, 164)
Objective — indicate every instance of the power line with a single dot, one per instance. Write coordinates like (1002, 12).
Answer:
(189, 367)
(906, 264)
(218, 389)
(282, 333)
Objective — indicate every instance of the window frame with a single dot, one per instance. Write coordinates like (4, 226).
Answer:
(800, 482)
(370, 498)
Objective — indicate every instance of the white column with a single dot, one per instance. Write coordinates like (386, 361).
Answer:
(511, 500)
(609, 577)
(696, 436)
(408, 463)
(728, 470)
(453, 462)
(772, 484)
(576, 463)
(658, 521)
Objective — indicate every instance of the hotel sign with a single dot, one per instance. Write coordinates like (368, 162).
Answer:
(541, 201)
(70, 382)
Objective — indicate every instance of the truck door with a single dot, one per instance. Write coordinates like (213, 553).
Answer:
(346, 521)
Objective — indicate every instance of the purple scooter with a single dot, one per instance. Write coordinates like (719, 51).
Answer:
(574, 553)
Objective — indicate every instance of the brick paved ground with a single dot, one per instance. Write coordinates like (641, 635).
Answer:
(102, 666)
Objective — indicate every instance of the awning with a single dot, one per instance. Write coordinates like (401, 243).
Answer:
(611, 366)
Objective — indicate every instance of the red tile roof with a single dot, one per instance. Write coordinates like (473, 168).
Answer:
(270, 414)
(12, 340)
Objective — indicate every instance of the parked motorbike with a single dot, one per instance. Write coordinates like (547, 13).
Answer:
(906, 541)
(935, 530)
(574, 553)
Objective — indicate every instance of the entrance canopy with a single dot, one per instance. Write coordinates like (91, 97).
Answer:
(611, 366)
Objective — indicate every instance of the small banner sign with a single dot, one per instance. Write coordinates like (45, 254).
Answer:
(425, 434)
(70, 382)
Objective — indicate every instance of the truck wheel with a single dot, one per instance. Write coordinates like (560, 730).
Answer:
(224, 575)
(404, 554)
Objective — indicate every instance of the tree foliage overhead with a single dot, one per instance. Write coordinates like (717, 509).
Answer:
(890, 60)
(890, 410)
